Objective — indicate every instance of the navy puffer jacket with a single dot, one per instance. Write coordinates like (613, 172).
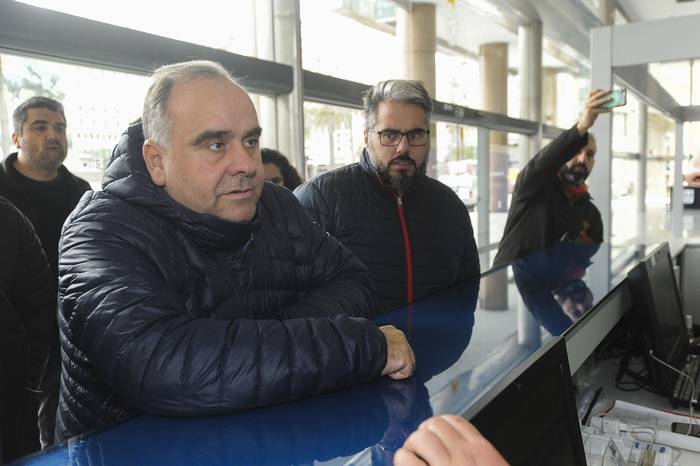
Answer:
(166, 311)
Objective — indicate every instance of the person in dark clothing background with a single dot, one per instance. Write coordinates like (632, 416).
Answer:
(34, 178)
(413, 232)
(550, 200)
(189, 286)
(27, 324)
(278, 170)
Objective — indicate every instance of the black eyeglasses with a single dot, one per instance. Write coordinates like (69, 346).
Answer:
(391, 137)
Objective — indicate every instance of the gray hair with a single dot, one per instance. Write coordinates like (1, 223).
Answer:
(395, 90)
(156, 121)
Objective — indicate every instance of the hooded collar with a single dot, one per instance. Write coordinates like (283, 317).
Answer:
(127, 178)
(369, 168)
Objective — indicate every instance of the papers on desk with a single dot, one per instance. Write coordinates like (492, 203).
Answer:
(641, 415)
(630, 434)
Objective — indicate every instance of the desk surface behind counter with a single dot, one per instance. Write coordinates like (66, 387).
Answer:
(463, 350)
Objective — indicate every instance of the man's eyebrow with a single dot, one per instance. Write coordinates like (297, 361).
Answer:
(39, 122)
(210, 134)
(257, 131)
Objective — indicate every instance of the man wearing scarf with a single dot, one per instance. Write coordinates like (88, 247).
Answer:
(551, 202)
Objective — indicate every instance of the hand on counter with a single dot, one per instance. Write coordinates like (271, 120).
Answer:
(447, 441)
(400, 360)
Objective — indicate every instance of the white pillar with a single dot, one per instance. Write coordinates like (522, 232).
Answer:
(642, 174)
(290, 108)
(265, 49)
(530, 50)
(677, 201)
(600, 181)
(483, 178)
(415, 31)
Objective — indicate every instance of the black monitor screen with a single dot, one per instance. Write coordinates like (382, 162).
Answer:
(658, 305)
(532, 421)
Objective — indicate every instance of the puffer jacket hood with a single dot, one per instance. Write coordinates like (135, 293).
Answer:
(169, 312)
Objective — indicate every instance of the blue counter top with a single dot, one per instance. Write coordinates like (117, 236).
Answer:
(462, 351)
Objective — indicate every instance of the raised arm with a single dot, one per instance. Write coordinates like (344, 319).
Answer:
(544, 166)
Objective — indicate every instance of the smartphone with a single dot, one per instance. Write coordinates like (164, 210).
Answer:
(618, 98)
(682, 428)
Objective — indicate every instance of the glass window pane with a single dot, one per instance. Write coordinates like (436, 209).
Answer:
(626, 126)
(624, 200)
(369, 52)
(333, 137)
(504, 168)
(95, 115)
(457, 80)
(456, 161)
(572, 92)
(226, 26)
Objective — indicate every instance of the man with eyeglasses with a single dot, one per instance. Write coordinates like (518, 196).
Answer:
(413, 232)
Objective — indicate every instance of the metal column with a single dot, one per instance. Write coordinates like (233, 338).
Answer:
(642, 175)
(677, 201)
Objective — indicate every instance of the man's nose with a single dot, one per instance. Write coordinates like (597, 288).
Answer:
(403, 145)
(242, 161)
(51, 133)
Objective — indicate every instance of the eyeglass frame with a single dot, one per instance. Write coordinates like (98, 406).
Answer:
(402, 134)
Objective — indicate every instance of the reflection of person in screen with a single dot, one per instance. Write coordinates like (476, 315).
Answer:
(574, 297)
(551, 286)
(447, 441)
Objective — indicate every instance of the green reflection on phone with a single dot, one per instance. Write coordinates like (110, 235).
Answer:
(618, 98)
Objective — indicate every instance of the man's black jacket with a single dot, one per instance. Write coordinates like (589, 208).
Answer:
(167, 311)
(540, 213)
(419, 243)
(27, 325)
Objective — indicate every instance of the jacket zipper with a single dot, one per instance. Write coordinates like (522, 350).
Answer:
(407, 246)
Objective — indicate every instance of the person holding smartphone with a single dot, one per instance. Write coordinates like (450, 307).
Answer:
(550, 201)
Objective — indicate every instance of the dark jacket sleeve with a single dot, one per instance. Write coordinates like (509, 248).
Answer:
(339, 283)
(130, 322)
(539, 171)
(34, 291)
(316, 205)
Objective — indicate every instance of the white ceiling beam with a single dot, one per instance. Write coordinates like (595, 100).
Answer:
(670, 39)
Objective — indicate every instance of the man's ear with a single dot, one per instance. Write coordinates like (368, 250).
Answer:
(153, 156)
(15, 139)
(366, 136)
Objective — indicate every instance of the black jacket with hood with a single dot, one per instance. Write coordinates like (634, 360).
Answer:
(167, 311)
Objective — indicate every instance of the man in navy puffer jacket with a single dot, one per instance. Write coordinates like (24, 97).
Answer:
(189, 286)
